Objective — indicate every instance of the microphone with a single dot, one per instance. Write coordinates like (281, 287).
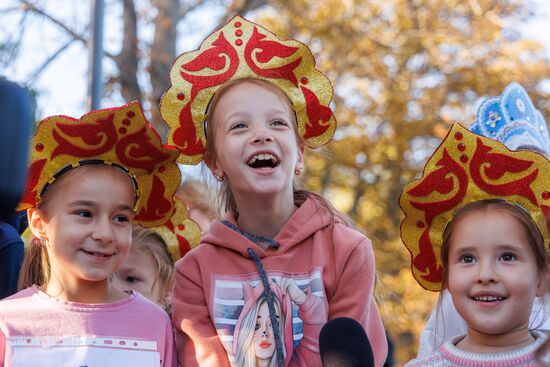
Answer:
(344, 343)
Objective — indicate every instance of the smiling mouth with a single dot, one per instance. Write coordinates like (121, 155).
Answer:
(97, 254)
(263, 160)
(488, 299)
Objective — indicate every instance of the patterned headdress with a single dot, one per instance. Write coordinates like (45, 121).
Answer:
(512, 119)
(467, 168)
(180, 233)
(118, 136)
(242, 49)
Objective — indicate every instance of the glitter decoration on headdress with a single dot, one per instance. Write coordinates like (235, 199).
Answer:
(465, 168)
(119, 136)
(180, 233)
(242, 49)
(512, 119)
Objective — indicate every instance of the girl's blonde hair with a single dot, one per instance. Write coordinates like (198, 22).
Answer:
(151, 244)
(226, 200)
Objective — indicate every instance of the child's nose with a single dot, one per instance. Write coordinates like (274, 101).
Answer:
(486, 272)
(103, 230)
(261, 135)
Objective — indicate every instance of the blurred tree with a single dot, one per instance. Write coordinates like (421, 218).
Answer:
(403, 71)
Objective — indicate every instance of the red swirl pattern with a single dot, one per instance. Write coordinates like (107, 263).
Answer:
(157, 206)
(441, 181)
(99, 137)
(267, 50)
(138, 151)
(495, 166)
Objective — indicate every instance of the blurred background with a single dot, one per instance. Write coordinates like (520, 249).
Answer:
(403, 71)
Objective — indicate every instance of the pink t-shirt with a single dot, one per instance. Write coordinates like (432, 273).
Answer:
(37, 329)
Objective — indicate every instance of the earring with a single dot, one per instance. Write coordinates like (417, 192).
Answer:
(219, 178)
(298, 170)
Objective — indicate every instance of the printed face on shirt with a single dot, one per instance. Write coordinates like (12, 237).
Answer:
(264, 341)
(255, 141)
(86, 221)
(139, 273)
(492, 273)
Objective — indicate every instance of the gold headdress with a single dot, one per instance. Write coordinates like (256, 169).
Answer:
(242, 49)
(116, 136)
(180, 233)
(467, 168)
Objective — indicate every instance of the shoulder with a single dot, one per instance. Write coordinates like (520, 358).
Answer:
(22, 297)
(142, 306)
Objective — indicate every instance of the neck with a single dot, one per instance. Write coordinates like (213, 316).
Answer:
(478, 342)
(265, 217)
(84, 291)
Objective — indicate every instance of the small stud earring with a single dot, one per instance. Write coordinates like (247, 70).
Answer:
(298, 170)
(219, 178)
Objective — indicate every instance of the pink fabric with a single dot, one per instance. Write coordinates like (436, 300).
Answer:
(448, 355)
(32, 313)
(307, 241)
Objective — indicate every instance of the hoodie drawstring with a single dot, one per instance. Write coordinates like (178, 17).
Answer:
(265, 282)
(271, 305)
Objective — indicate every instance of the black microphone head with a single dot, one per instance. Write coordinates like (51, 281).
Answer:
(344, 343)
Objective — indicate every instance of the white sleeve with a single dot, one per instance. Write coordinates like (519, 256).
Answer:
(444, 323)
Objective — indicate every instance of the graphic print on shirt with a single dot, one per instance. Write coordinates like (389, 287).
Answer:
(81, 351)
(241, 315)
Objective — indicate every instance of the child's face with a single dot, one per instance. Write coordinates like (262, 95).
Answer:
(86, 221)
(255, 140)
(139, 273)
(492, 273)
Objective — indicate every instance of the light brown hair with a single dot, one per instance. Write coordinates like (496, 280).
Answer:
(151, 244)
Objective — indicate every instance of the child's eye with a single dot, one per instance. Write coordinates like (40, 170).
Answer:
(122, 218)
(508, 257)
(238, 125)
(132, 280)
(279, 122)
(467, 259)
(257, 326)
(83, 213)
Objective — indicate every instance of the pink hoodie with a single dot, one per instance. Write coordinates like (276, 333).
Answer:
(333, 266)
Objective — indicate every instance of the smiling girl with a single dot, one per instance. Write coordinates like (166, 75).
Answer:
(261, 101)
(88, 181)
(475, 225)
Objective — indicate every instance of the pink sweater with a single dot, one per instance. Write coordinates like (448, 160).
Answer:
(332, 265)
(448, 355)
(36, 327)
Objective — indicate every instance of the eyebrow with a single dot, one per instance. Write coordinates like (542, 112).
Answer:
(91, 204)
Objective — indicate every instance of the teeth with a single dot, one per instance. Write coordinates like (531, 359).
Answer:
(488, 298)
(263, 157)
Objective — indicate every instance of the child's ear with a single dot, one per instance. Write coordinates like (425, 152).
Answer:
(212, 164)
(37, 223)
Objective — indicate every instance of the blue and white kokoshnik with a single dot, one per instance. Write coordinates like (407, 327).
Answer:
(512, 119)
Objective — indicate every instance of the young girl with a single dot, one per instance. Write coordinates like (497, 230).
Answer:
(88, 180)
(475, 225)
(263, 101)
(149, 267)
(512, 119)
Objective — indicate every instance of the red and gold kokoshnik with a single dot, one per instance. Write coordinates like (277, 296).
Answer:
(120, 136)
(466, 168)
(242, 49)
(180, 233)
